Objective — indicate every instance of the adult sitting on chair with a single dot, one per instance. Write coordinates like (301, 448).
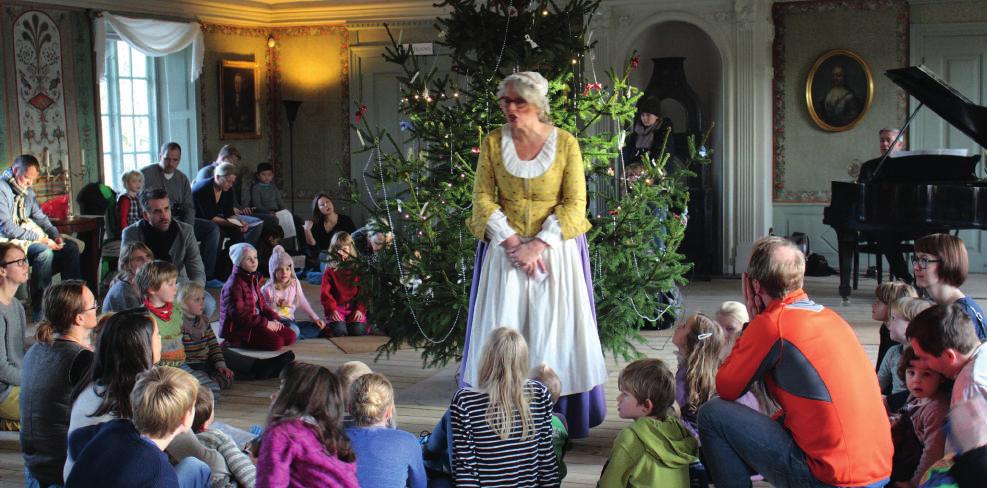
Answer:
(832, 428)
(23, 222)
(214, 201)
(170, 240)
(166, 176)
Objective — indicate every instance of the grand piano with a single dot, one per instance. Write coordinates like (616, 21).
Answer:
(910, 196)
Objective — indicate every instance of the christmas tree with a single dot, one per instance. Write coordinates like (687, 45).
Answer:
(420, 187)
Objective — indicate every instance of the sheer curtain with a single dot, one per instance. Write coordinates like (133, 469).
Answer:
(152, 37)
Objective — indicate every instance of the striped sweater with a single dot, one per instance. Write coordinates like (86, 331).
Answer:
(242, 470)
(205, 348)
(482, 458)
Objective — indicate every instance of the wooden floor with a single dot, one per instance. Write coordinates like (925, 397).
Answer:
(422, 395)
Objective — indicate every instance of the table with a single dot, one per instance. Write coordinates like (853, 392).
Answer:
(89, 230)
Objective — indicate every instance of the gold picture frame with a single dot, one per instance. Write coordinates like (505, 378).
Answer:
(239, 100)
(839, 90)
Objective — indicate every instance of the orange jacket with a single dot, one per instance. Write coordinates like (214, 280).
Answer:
(814, 367)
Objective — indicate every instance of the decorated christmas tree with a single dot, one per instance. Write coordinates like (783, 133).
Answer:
(419, 184)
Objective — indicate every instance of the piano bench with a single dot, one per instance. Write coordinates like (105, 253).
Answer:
(870, 247)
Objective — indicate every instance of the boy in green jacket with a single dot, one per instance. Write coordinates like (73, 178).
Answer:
(656, 449)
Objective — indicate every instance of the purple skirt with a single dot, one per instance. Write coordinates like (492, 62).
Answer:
(581, 410)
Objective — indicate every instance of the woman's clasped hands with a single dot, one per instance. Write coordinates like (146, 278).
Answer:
(526, 256)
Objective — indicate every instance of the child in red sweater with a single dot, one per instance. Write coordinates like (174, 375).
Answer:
(340, 287)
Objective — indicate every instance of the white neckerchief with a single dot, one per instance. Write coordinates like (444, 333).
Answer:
(527, 169)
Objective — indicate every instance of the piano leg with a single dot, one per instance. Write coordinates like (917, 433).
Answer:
(847, 244)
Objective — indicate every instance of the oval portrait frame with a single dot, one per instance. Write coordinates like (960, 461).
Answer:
(816, 117)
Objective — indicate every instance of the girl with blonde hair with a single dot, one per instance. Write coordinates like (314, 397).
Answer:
(506, 413)
(340, 286)
(385, 457)
(700, 342)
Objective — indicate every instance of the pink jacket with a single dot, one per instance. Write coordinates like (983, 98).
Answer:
(285, 301)
(292, 456)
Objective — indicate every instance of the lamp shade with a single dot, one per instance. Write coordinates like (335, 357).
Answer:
(291, 109)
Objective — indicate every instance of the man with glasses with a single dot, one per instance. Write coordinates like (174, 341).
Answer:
(23, 222)
(165, 175)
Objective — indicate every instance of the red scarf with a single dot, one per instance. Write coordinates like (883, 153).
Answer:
(163, 313)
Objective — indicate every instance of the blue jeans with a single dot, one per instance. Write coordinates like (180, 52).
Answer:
(31, 482)
(192, 473)
(45, 263)
(303, 329)
(738, 442)
(207, 233)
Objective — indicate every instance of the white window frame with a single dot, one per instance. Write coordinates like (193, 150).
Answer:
(112, 121)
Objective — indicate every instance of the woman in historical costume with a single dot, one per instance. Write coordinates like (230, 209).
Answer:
(532, 264)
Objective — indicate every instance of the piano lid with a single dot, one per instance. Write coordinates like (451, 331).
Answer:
(921, 83)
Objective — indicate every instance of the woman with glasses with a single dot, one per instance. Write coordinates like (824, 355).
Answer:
(13, 274)
(532, 274)
(52, 367)
(941, 264)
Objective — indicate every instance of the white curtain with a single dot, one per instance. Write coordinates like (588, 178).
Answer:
(152, 37)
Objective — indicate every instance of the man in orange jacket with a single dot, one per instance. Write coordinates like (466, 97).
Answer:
(832, 429)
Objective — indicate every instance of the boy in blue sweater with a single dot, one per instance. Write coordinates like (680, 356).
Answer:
(125, 453)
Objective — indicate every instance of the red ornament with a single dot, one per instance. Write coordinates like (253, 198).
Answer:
(613, 212)
(475, 150)
(360, 113)
(635, 61)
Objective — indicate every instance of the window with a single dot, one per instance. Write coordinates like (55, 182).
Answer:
(128, 111)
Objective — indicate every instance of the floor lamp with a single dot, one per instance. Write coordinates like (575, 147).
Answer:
(291, 110)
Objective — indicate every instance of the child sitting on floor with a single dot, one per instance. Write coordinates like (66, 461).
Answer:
(731, 316)
(130, 452)
(202, 349)
(547, 376)
(285, 294)
(657, 449)
(128, 205)
(385, 457)
(899, 314)
(340, 287)
(123, 293)
(246, 319)
(304, 443)
(158, 283)
(884, 295)
(919, 433)
(240, 470)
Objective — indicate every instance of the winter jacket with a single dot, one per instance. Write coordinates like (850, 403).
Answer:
(651, 452)
(242, 307)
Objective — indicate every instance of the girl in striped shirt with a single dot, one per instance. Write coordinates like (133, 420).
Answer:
(502, 429)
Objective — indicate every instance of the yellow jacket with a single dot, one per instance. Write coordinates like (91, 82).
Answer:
(528, 202)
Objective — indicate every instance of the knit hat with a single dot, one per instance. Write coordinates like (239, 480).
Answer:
(649, 105)
(279, 258)
(238, 251)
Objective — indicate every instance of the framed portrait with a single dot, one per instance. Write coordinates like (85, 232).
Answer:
(239, 97)
(839, 90)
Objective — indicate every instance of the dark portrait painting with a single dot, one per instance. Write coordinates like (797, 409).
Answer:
(238, 95)
(838, 90)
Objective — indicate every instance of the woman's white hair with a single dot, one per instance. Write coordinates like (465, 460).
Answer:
(531, 86)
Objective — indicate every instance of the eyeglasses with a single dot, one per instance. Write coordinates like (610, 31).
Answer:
(19, 262)
(94, 307)
(518, 102)
(923, 263)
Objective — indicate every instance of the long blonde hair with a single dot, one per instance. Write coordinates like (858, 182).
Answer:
(503, 373)
(704, 342)
(340, 239)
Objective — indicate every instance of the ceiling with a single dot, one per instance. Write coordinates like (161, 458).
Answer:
(267, 12)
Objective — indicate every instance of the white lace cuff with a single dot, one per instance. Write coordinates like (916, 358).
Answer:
(551, 231)
(498, 229)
